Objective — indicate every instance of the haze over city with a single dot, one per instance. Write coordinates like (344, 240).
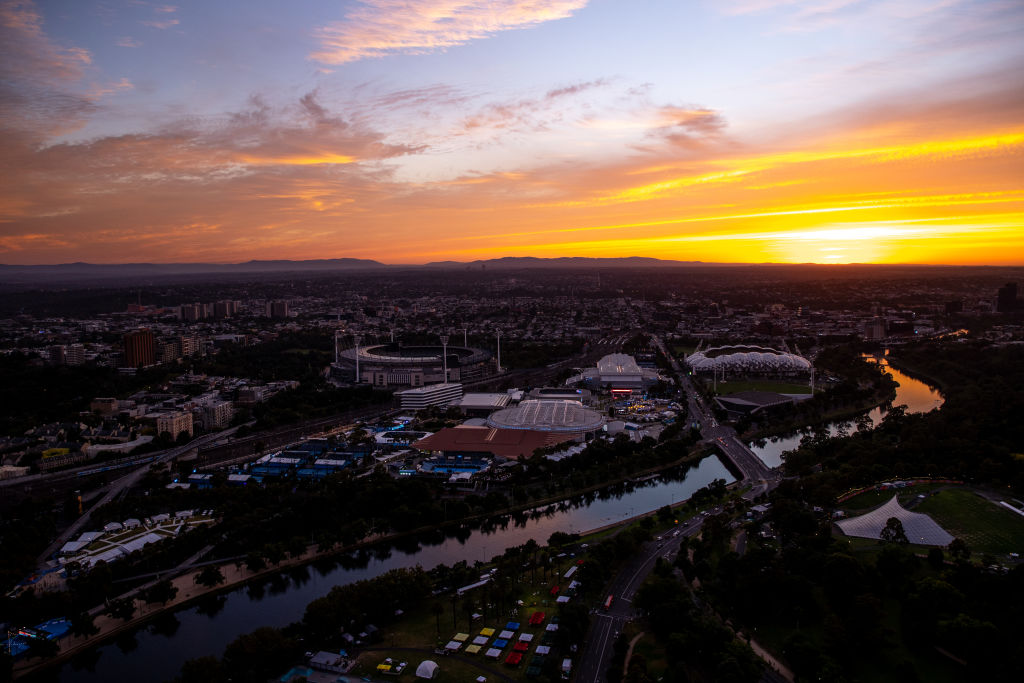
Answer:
(425, 130)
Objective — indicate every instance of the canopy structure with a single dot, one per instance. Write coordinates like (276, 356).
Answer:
(919, 528)
(480, 640)
(427, 669)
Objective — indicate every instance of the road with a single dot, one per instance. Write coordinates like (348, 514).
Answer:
(606, 627)
(761, 477)
(599, 646)
(115, 488)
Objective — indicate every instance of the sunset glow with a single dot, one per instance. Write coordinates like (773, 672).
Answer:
(425, 130)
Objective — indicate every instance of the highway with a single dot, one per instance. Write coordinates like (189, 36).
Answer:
(599, 646)
(606, 626)
(115, 488)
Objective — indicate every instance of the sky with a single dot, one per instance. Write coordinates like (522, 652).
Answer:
(412, 131)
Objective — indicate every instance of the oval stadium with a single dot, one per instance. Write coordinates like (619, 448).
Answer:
(748, 360)
(397, 365)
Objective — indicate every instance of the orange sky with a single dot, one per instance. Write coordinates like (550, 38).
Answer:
(857, 132)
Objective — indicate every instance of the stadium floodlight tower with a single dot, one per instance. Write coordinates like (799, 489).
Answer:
(336, 333)
(499, 352)
(444, 353)
(357, 339)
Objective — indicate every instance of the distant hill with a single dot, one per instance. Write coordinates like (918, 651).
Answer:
(103, 271)
(520, 262)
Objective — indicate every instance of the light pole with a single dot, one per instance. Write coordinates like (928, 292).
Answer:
(444, 353)
(499, 352)
(357, 338)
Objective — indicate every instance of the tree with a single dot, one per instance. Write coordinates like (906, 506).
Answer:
(162, 592)
(893, 532)
(121, 608)
(210, 576)
(437, 609)
(959, 550)
(82, 625)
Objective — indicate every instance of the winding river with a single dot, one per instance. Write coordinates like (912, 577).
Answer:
(917, 396)
(157, 653)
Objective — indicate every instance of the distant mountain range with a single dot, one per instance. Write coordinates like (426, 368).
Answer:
(97, 271)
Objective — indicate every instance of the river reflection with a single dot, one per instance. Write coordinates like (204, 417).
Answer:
(917, 396)
(206, 629)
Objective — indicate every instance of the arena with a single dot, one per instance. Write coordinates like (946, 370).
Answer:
(746, 360)
(386, 365)
(549, 416)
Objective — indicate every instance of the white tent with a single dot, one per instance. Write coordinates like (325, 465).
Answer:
(427, 669)
(919, 528)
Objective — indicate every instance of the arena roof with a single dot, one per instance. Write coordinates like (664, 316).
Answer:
(618, 364)
(919, 528)
(747, 358)
(548, 416)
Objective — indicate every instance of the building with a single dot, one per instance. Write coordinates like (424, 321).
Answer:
(483, 404)
(56, 355)
(218, 415)
(104, 406)
(875, 329)
(440, 395)
(174, 424)
(396, 365)
(1006, 298)
(618, 373)
(74, 354)
(277, 309)
(139, 349)
(562, 417)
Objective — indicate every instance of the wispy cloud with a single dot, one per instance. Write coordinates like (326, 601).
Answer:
(127, 41)
(379, 28)
(161, 24)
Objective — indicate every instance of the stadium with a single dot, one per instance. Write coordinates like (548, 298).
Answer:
(748, 361)
(385, 365)
(564, 417)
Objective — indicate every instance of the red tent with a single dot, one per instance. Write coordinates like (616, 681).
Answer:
(554, 590)
(514, 658)
(521, 646)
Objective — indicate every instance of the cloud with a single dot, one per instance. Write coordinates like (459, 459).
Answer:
(161, 24)
(380, 28)
(688, 127)
(126, 41)
(99, 91)
(530, 113)
(37, 76)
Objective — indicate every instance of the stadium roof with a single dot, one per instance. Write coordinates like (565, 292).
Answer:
(548, 416)
(747, 359)
(919, 528)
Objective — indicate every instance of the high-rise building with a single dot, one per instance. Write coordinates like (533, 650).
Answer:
(56, 355)
(218, 415)
(1006, 298)
(74, 354)
(174, 424)
(139, 349)
(277, 309)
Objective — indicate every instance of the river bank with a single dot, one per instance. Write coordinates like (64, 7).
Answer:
(237, 575)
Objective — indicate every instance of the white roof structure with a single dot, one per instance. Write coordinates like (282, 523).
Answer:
(427, 669)
(747, 358)
(548, 416)
(920, 528)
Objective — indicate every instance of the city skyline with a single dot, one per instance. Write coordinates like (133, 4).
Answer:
(425, 130)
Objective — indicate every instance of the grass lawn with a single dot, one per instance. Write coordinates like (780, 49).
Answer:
(983, 525)
(418, 629)
(732, 387)
(869, 500)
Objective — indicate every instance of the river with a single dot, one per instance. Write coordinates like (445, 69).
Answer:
(917, 396)
(153, 653)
